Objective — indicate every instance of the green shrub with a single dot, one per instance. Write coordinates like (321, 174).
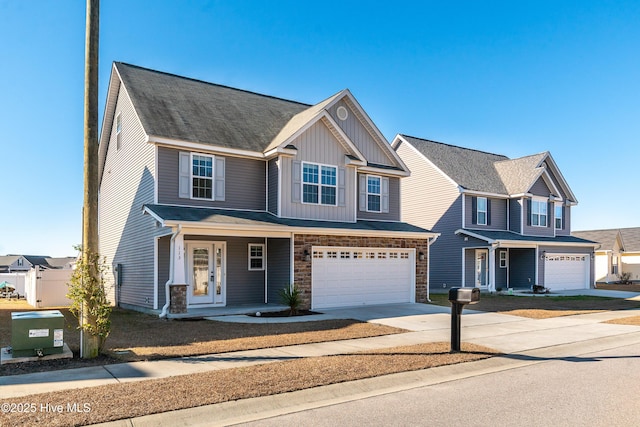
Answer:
(291, 297)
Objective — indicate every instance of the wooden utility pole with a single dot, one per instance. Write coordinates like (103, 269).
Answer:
(90, 343)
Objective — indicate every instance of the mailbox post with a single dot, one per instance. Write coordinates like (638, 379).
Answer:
(459, 297)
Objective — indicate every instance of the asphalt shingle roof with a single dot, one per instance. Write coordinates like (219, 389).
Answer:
(248, 218)
(181, 108)
(481, 171)
(510, 235)
(607, 237)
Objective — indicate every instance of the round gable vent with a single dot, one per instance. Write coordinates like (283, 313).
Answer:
(342, 113)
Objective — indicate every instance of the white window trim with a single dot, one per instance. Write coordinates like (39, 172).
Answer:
(485, 211)
(319, 184)
(555, 224)
(213, 174)
(379, 178)
(250, 257)
(504, 259)
(544, 203)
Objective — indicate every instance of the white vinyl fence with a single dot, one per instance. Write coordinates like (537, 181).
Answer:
(47, 288)
(16, 279)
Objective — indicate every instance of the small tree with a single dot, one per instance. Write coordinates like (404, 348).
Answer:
(290, 296)
(89, 301)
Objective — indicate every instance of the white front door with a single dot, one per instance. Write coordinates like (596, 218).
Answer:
(482, 272)
(207, 284)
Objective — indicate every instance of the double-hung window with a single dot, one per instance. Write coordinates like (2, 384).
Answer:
(481, 213)
(202, 176)
(319, 184)
(539, 213)
(558, 217)
(374, 194)
(256, 256)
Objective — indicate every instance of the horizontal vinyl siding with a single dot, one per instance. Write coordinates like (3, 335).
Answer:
(125, 234)
(164, 253)
(317, 145)
(245, 183)
(515, 215)
(278, 268)
(394, 204)
(431, 201)
(498, 214)
(272, 192)
(360, 136)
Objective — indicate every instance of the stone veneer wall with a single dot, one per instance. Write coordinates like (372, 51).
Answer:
(302, 268)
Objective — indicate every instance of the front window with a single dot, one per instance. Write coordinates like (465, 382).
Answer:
(202, 177)
(373, 193)
(538, 213)
(256, 257)
(319, 184)
(482, 211)
(503, 259)
(558, 217)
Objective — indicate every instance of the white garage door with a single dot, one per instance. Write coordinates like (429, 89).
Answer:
(566, 271)
(344, 277)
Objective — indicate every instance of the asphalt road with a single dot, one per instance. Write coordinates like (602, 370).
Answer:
(596, 389)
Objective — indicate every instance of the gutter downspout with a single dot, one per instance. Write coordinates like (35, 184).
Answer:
(429, 243)
(165, 308)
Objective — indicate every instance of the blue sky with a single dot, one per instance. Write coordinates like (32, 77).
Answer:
(514, 78)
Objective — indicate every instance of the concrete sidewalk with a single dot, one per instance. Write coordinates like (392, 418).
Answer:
(427, 323)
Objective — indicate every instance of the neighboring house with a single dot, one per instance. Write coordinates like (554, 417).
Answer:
(14, 264)
(503, 223)
(224, 197)
(619, 252)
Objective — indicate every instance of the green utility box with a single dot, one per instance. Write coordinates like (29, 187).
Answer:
(37, 333)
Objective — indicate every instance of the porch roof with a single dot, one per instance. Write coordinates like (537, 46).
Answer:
(170, 215)
(501, 236)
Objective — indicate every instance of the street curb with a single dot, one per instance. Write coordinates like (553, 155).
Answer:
(247, 410)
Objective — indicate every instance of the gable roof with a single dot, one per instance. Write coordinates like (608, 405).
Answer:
(175, 107)
(629, 237)
(8, 260)
(485, 172)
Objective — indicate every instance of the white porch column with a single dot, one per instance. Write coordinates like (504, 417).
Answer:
(179, 273)
(491, 286)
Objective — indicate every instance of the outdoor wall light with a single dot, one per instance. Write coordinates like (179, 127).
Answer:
(421, 256)
(307, 256)
(542, 255)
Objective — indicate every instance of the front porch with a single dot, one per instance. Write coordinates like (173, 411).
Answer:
(196, 313)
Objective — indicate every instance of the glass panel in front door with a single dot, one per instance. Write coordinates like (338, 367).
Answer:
(218, 298)
(200, 279)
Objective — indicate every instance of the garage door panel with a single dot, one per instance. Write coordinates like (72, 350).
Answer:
(343, 277)
(566, 271)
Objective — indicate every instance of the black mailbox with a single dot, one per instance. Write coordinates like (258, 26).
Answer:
(464, 295)
(459, 297)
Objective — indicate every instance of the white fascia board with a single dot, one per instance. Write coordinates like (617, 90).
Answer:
(483, 194)
(280, 151)
(383, 171)
(378, 136)
(200, 147)
(353, 162)
(563, 181)
(423, 157)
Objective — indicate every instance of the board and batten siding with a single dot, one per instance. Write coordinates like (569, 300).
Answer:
(540, 188)
(360, 136)
(498, 217)
(125, 234)
(430, 200)
(317, 145)
(394, 202)
(245, 183)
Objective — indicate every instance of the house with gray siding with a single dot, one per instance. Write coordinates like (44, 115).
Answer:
(212, 196)
(503, 223)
